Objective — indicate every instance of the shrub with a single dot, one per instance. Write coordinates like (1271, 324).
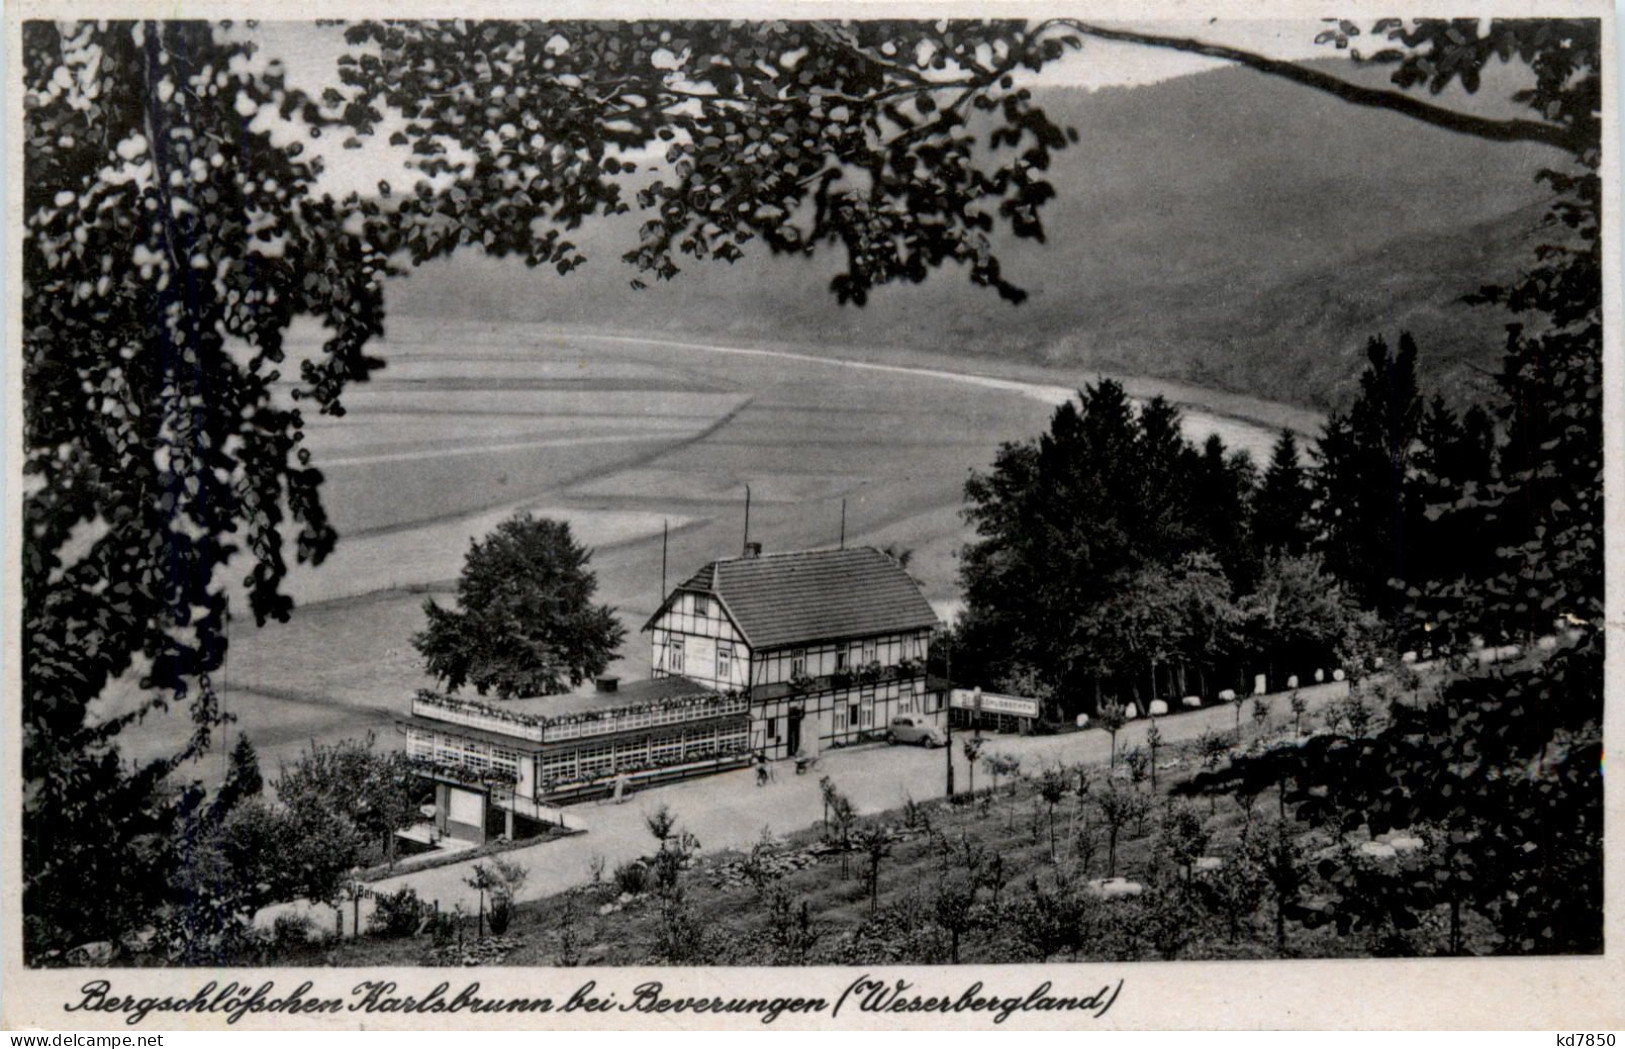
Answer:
(291, 930)
(443, 928)
(501, 914)
(632, 878)
(398, 913)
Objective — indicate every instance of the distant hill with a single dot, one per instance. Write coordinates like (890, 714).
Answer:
(1222, 228)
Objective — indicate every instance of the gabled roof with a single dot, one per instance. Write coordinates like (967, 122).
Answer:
(813, 595)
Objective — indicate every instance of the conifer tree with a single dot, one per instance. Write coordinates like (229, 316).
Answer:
(1281, 507)
(1367, 505)
(243, 777)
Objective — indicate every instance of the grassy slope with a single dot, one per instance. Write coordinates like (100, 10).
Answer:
(1220, 228)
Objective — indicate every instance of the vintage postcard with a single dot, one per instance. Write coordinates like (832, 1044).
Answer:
(821, 515)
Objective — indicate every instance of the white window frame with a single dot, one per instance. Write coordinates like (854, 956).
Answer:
(798, 662)
(674, 655)
(725, 660)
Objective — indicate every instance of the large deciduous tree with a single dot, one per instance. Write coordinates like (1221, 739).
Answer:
(526, 623)
(167, 245)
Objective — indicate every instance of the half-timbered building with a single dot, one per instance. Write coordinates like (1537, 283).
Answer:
(828, 644)
(757, 656)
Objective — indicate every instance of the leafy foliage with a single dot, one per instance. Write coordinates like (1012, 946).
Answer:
(373, 793)
(527, 625)
(862, 135)
(168, 245)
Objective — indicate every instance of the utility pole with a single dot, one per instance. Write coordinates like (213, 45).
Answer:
(948, 718)
(843, 524)
(665, 534)
(746, 548)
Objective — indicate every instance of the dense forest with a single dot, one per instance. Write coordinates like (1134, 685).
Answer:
(1117, 561)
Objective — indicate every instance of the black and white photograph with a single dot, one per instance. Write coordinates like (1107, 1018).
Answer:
(847, 489)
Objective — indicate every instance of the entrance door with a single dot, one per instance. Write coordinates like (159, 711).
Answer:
(792, 735)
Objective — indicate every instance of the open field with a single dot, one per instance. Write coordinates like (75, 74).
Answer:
(622, 436)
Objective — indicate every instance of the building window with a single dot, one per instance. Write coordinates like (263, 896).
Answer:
(840, 717)
(870, 653)
(772, 728)
(702, 605)
(841, 660)
(853, 715)
(798, 663)
(725, 662)
(666, 750)
(918, 648)
(674, 655)
(596, 760)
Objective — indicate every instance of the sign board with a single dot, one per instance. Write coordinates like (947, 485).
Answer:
(1012, 706)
